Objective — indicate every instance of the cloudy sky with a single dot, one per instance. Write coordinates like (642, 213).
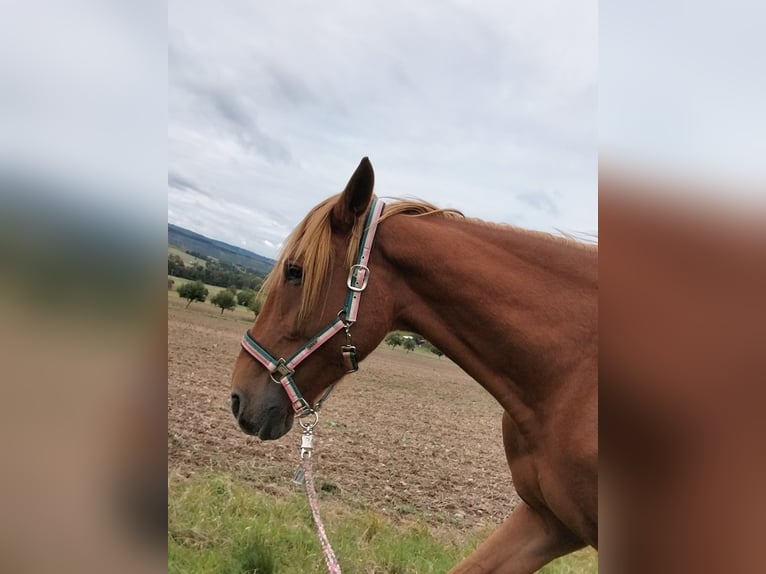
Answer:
(489, 107)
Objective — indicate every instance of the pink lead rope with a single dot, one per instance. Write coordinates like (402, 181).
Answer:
(329, 556)
(305, 475)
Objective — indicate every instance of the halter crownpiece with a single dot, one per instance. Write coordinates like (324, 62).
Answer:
(281, 370)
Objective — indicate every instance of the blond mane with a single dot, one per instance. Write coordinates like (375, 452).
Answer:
(311, 244)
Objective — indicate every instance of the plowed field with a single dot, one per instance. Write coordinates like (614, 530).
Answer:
(409, 434)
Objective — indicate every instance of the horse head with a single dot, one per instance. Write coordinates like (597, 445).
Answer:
(308, 335)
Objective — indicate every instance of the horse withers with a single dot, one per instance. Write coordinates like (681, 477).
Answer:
(516, 309)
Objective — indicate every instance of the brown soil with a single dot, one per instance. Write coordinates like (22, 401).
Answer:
(409, 434)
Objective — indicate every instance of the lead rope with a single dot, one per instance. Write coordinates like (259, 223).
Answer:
(305, 475)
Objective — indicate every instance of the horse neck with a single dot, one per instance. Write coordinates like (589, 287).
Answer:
(517, 310)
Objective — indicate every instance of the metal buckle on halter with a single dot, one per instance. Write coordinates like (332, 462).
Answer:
(282, 369)
(353, 275)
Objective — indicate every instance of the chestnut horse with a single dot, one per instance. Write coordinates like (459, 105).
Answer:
(516, 309)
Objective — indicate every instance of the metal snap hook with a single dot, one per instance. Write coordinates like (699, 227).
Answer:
(307, 444)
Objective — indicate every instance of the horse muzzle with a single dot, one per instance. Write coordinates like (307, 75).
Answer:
(266, 421)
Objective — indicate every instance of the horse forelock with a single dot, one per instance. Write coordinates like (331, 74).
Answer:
(310, 244)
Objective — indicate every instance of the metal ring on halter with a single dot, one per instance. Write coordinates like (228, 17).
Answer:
(309, 426)
(344, 319)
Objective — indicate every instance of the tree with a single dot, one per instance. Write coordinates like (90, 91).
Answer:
(245, 296)
(175, 265)
(193, 291)
(256, 303)
(214, 272)
(224, 299)
(435, 350)
(232, 289)
(410, 344)
(394, 340)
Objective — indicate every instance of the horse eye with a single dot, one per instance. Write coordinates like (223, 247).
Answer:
(293, 274)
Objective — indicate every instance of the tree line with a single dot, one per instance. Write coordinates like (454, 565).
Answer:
(214, 272)
(226, 299)
(410, 343)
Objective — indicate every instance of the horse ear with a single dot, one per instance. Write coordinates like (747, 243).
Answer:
(355, 198)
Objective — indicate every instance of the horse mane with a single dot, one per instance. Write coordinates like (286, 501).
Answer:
(311, 243)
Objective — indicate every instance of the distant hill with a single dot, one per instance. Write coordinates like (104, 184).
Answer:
(191, 241)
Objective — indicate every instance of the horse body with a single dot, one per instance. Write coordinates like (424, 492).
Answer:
(517, 310)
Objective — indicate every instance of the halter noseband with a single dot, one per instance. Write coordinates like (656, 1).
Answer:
(282, 370)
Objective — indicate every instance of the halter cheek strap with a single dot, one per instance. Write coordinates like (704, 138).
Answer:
(282, 370)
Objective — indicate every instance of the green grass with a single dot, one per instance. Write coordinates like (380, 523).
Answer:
(216, 524)
(581, 562)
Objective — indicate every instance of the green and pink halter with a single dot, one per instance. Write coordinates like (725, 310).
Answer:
(282, 370)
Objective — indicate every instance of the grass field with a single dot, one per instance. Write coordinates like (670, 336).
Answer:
(216, 524)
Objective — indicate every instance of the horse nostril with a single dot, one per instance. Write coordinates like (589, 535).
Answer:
(235, 403)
